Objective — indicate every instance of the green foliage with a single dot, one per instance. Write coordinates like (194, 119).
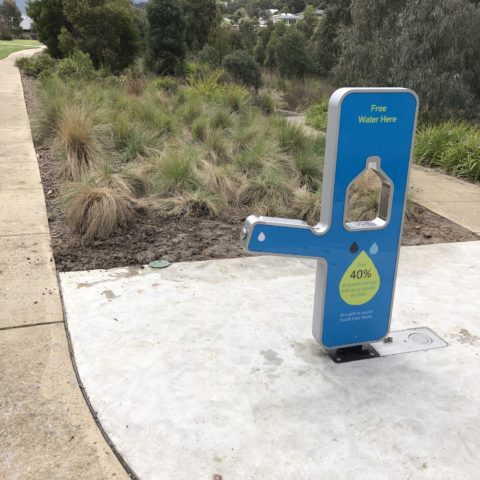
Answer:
(167, 84)
(78, 66)
(452, 146)
(325, 45)
(428, 45)
(292, 137)
(200, 17)
(265, 102)
(48, 19)
(317, 116)
(105, 29)
(10, 20)
(175, 171)
(291, 54)
(248, 35)
(37, 65)
(243, 68)
(166, 37)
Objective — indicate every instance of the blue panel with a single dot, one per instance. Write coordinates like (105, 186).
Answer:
(371, 124)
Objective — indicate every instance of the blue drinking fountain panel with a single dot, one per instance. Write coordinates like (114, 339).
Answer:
(357, 261)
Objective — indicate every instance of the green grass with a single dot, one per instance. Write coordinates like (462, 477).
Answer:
(451, 146)
(10, 46)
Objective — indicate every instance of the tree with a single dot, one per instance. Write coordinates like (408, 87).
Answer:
(10, 19)
(248, 35)
(291, 54)
(324, 45)
(309, 22)
(166, 36)
(48, 20)
(243, 68)
(105, 29)
(438, 47)
(368, 44)
(200, 17)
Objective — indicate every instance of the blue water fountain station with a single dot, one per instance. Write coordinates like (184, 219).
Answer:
(368, 128)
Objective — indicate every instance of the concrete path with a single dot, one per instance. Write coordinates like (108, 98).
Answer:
(450, 197)
(46, 429)
(210, 368)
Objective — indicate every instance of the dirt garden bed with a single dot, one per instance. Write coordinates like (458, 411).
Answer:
(185, 238)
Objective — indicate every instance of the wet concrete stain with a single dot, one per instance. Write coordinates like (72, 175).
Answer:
(109, 294)
(465, 337)
(309, 351)
(271, 357)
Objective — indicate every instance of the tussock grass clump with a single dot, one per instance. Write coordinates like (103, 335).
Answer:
(132, 181)
(53, 98)
(452, 146)
(175, 171)
(96, 212)
(306, 205)
(77, 142)
(269, 191)
(363, 197)
(291, 137)
(197, 202)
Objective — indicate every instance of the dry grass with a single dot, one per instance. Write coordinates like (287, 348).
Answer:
(197, 202)
(77, 142)
(200, 149)
(96, 212)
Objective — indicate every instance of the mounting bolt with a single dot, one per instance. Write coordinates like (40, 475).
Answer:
(244, 233)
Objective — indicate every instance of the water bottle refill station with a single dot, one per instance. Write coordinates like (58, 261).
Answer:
(368, 128)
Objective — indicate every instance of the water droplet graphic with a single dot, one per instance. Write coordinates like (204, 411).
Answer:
(360, 282)
(374, 248)
(261, 237)
(354, 247)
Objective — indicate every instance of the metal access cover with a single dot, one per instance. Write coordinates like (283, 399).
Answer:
(411, 340)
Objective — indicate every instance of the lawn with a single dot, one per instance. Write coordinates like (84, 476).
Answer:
(9, 46)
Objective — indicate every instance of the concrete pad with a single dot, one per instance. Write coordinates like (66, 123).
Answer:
(22, 212)
(210, 368)
(19, 176)
(46, 429)
(28, 284)
(450, 197)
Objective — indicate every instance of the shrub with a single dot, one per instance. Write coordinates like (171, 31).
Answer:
(243, 68)
(291, 54)
(78, 66)
(114, 45)
(317, 116)
(96, 212)
(167, 84)
(41, 64)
